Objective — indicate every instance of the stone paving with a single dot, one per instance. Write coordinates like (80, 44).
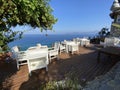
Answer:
(109, 81)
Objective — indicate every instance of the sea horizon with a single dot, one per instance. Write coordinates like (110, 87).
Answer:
(30, 40)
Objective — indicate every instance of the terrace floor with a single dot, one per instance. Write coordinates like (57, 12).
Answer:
(83, 65)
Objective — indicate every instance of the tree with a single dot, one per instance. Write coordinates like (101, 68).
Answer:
(103, 33)
(35, 13)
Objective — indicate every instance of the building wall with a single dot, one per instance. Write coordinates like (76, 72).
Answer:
(118, 19)
(114, 30)
(115, 15)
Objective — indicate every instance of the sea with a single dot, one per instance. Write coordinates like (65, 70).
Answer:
(30, 40)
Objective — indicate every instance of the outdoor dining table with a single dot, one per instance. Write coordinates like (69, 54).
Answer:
(110, 51)
(37, 58)
(69, 45)
(84, 42)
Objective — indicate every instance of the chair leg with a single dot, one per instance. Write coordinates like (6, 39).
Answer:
(50, 59)
(46, 68)
(72, 52)
(30, 74)
(58, 58)
(17, 65)
(60, 52)
(29, 69)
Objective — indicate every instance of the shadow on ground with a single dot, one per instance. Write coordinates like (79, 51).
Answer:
(7, 69)
(82, 66)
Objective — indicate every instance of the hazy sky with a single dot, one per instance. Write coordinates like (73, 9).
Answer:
(80, 15)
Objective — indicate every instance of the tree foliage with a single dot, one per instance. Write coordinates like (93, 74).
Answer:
(35, 13)
(104, 32)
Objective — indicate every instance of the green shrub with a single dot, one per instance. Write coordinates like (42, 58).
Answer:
(69, 83)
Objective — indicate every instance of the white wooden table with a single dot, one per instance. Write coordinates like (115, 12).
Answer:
(37, 59)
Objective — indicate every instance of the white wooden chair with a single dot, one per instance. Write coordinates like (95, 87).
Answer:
(38, 46)
(62, 48)
(19, 56)
(41, 46)
(38, 59)
(76, 40)
(116, 41)
(73, 48)
(53, 52)
(111, 41)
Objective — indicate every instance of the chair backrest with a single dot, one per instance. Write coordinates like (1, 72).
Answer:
(15, 50)
(57, 45)
(32, 48)
(38, 45)
(65, 41)
(109, 40)
(116, 41)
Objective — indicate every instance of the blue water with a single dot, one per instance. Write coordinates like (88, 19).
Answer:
(32, 40)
